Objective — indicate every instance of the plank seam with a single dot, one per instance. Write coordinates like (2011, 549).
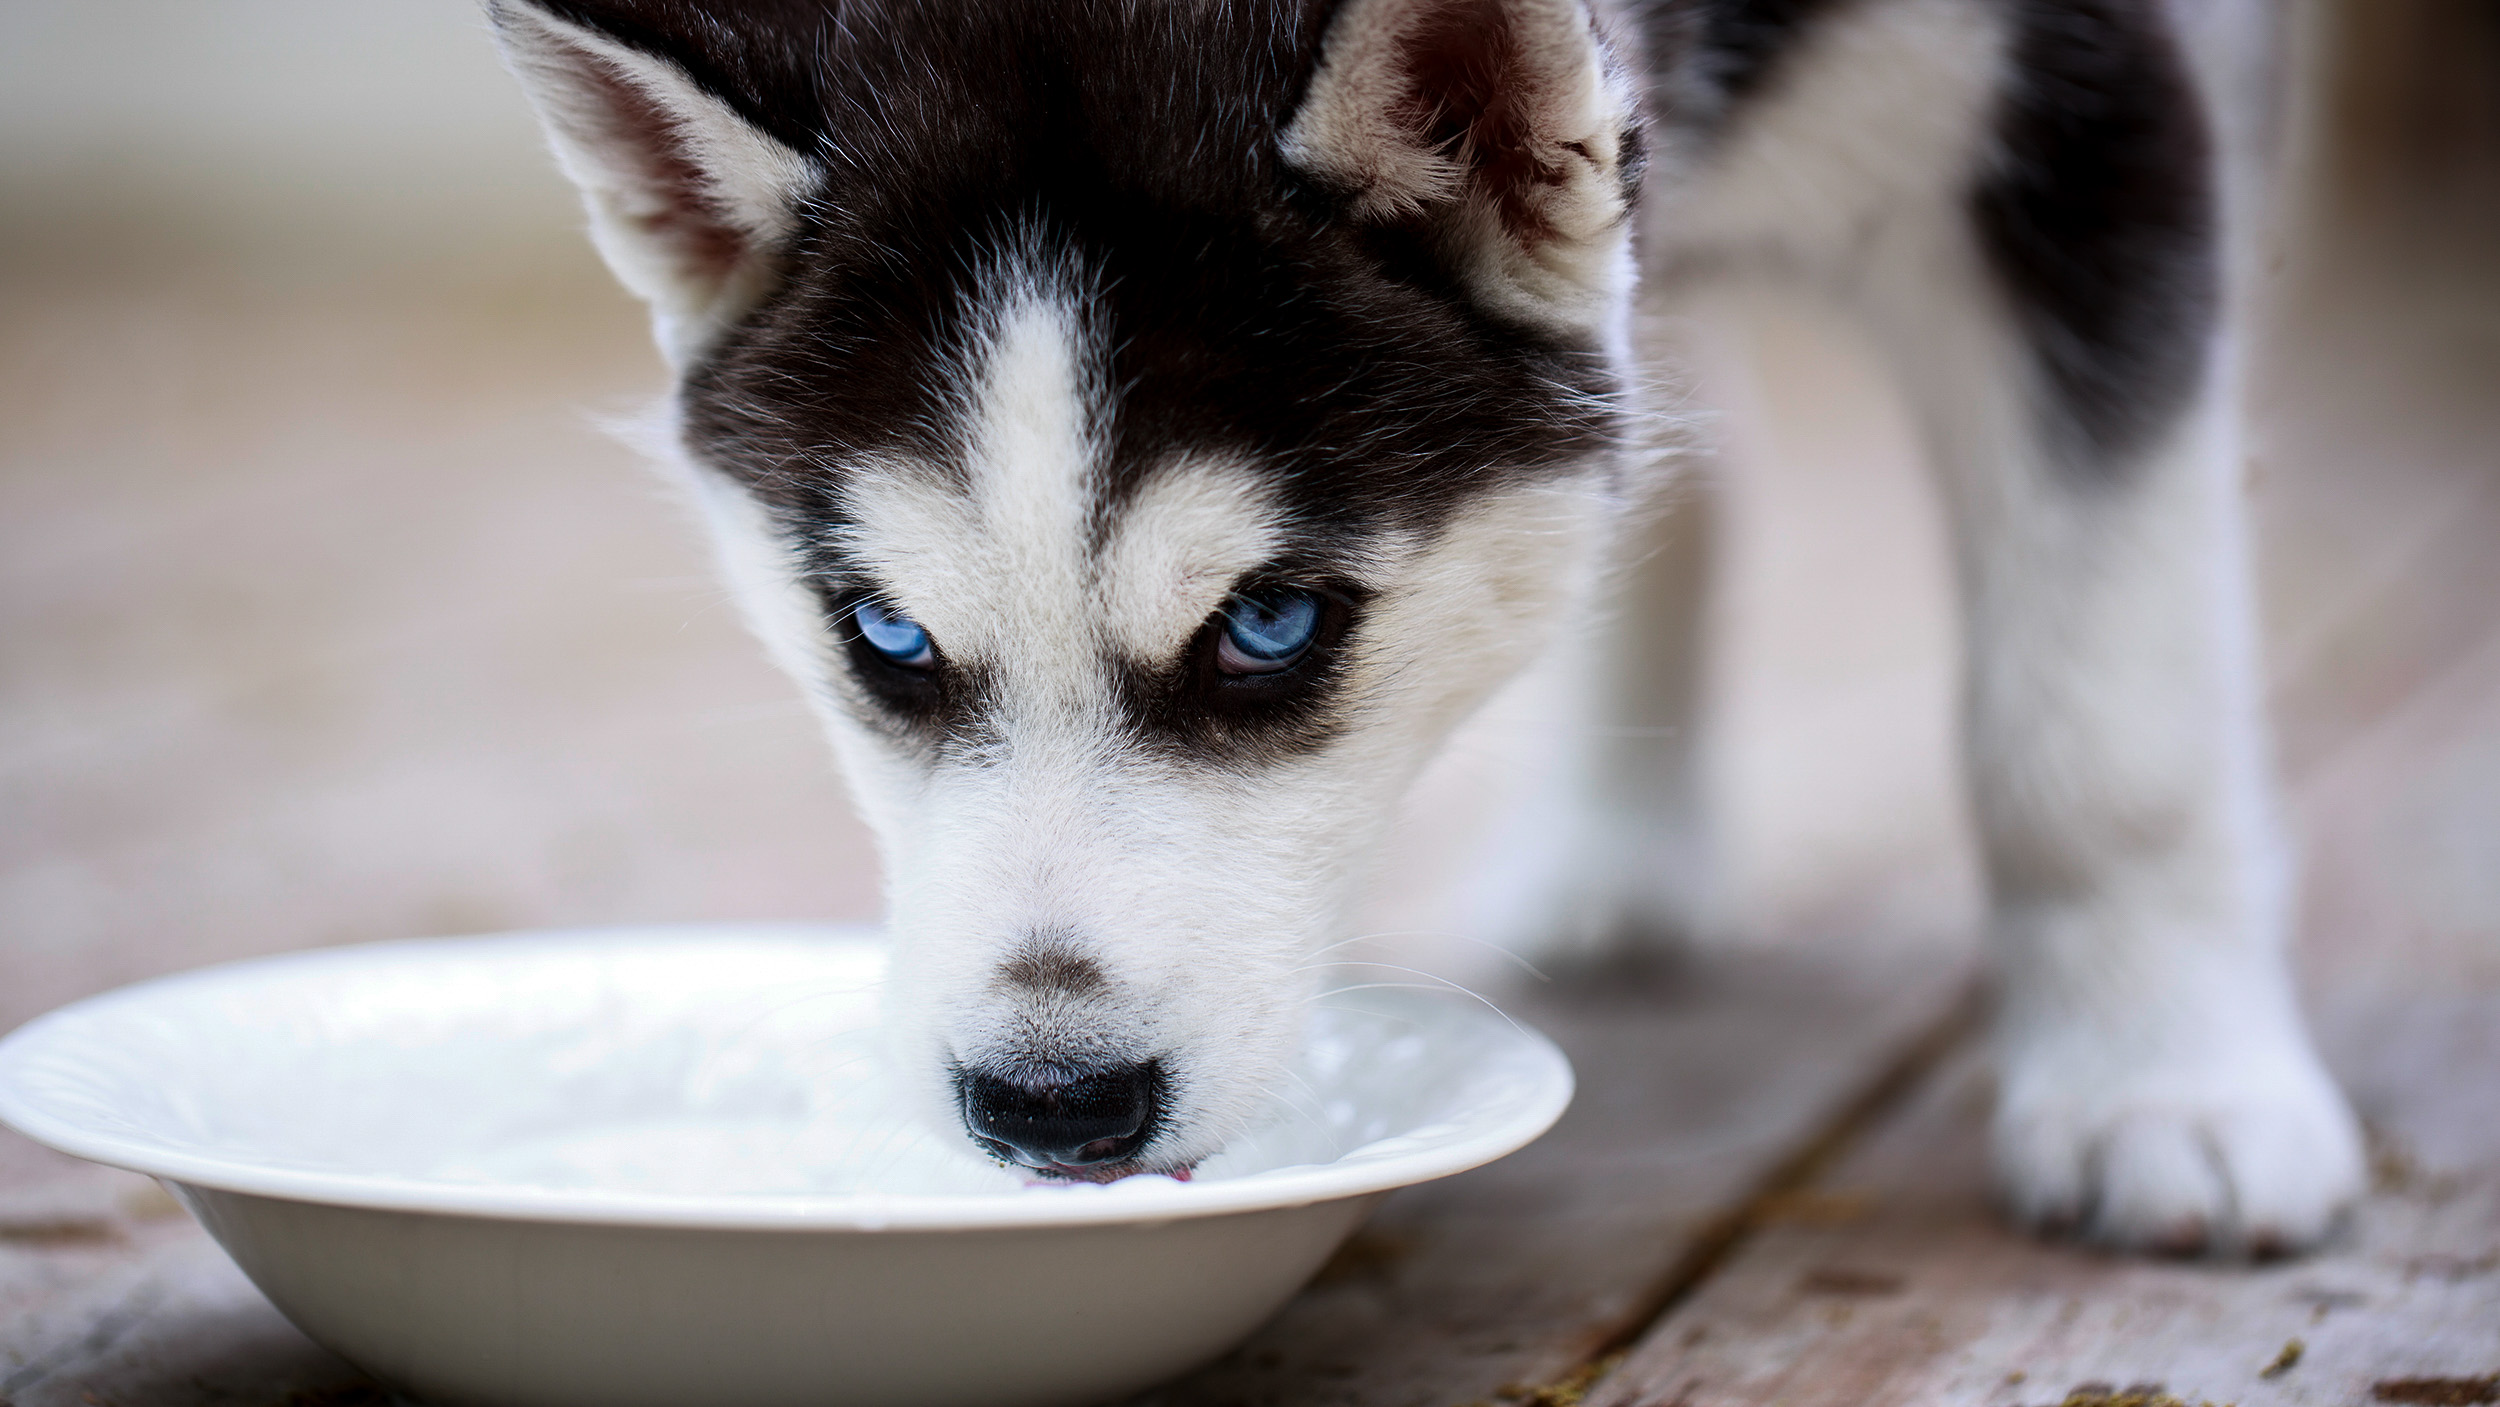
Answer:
(1721, 1236)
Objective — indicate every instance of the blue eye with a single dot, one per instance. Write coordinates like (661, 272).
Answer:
(894, 635)
(1267, 630)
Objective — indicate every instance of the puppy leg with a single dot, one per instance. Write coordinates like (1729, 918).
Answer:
(1605, 869)
(2017, 202)
(2158, 1089)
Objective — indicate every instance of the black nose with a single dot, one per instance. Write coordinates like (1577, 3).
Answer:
(1060, 1116)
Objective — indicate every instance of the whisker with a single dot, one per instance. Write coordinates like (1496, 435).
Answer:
(1315, 1116)
(1445, 986)
(1522, 963)
(1336, 1146)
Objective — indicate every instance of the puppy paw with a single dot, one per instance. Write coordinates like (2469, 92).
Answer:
(1583, 905)
(2255, 1159)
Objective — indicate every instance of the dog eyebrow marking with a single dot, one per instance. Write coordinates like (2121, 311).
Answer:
(1046, 963)
(1178, 546)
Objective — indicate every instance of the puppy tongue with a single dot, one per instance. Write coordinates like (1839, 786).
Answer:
(1096, 1173)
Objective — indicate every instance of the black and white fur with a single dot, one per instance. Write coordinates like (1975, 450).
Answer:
(1053, 324)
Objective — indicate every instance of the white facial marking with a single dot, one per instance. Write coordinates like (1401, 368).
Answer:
(1185, 537)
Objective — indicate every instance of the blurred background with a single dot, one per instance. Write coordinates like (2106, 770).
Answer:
(328, 612)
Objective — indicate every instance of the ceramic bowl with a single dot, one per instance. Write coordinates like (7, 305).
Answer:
(655, 1166)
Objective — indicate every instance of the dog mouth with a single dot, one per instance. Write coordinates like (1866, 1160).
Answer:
(1061, 1173)
(1112, 1160)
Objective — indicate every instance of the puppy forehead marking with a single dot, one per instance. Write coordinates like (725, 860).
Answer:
(1005, 557)
(999, 554)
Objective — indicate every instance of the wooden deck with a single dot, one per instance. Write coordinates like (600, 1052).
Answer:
(295, 660)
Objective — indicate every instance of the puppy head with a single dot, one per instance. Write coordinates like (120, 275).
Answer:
(1143, 430)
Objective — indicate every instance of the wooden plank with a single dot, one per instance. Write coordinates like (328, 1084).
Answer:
(1518, 1274)
(1897, 1284)
(1901, 1287)
(110, 1295)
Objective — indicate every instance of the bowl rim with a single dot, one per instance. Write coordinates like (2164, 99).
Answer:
(1131, 1201)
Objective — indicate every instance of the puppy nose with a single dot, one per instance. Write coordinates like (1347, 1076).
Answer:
(1047, 1116)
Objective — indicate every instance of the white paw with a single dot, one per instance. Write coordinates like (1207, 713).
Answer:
(2253, 1155)
(1578, 897)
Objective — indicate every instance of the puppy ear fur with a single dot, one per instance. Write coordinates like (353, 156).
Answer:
(689, 202)
(1504, 127)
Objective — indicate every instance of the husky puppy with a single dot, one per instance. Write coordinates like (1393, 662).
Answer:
(1145, 427)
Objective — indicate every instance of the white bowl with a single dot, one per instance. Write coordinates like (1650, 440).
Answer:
(652, 1166)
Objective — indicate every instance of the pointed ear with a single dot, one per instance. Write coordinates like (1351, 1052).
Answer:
(689, 202)
(1504, 128)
